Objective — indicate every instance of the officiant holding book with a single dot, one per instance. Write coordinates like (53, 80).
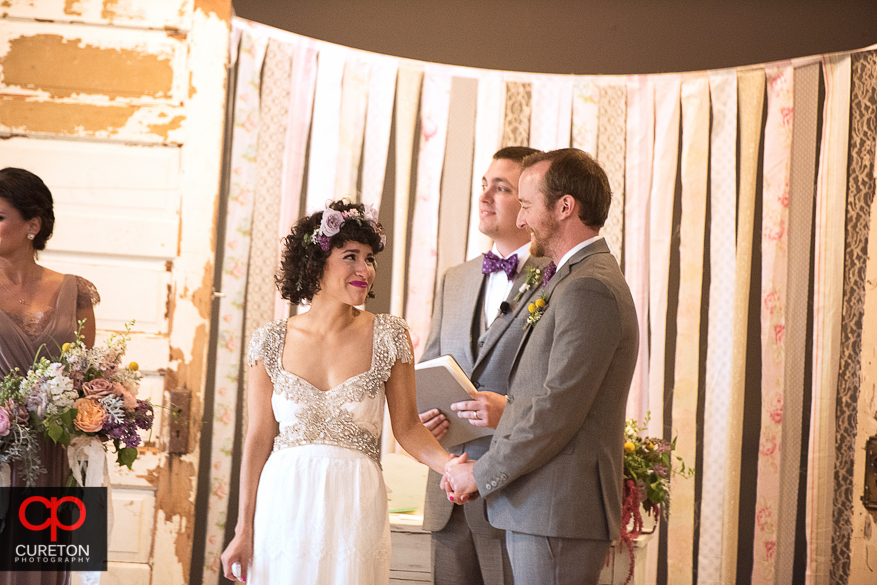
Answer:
(478, 317)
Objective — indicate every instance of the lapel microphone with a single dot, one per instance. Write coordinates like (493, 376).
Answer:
(504, 308)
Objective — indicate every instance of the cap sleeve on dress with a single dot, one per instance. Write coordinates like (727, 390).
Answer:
(399, 345)
(256, 350)
(86, 294)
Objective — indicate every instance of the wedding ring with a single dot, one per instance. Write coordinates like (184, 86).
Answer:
(475, 415)
(236, 570)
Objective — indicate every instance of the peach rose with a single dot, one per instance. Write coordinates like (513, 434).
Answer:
(128, 400)
(90, 415)
(98, 388)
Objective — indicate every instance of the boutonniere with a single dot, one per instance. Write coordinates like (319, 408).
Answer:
(536, 308)
(533, 276)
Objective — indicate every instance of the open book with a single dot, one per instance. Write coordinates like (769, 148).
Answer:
(441, 382)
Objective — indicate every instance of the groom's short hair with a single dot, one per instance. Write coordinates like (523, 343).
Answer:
(574, 172)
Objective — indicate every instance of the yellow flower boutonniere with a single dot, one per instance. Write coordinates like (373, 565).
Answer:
(536, 308)
(533, 276)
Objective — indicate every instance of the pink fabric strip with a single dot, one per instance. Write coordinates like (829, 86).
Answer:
(722, 263)
(488, 139)
(750, 91)
(694, 164)
(379, 118)
(435, 103)
(831, 192)
(802, 195)
(325, 128)
(774, 273)
(610, 154)
(551, 115)
(667, 107)
(638, 175)
(586, 116)
(238, 222)
(354, 99)
(301, 103)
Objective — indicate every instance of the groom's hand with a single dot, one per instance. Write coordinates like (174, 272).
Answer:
(459, 481)
(435, 422)
(484, 410)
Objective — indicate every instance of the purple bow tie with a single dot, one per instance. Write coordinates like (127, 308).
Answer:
(493, 263)
(549, 272)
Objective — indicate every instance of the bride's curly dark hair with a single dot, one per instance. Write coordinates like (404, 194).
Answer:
(305, 249)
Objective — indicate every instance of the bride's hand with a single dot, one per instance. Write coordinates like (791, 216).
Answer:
(239, 550)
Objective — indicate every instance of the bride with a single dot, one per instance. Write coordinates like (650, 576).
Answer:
(313, 505)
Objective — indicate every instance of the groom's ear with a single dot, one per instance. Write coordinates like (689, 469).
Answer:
(566, 206)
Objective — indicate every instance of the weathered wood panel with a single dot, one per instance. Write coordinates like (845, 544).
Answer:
(174, 14)
(43, 59)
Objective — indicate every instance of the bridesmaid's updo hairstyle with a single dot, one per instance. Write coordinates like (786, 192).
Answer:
(27, 193)
(311, 240)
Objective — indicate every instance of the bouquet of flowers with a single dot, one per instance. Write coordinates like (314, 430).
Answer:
(648, 464)
(83, 395)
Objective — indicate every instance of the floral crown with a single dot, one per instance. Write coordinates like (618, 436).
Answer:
(333, 220)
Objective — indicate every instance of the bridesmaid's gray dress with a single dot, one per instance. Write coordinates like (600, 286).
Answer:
(20, 339)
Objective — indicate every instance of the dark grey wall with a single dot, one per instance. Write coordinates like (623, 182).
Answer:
(580, 36)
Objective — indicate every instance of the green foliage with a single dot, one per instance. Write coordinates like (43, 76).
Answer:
(650, 462)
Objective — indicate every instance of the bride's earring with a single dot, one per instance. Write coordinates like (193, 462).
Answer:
(30, 236)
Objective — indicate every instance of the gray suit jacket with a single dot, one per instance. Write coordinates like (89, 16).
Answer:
(451, 331)
(554, 467)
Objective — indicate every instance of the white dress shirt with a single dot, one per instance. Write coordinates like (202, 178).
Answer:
(499, 286)
(575, 249)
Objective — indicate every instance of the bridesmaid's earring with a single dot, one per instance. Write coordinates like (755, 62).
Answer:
(30, 236)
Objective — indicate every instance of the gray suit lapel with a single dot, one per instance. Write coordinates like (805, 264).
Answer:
(598, 247)
(502, 322)
(466, 300)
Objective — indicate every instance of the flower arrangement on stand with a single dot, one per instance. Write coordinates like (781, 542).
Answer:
(648, 464)
(84, 399)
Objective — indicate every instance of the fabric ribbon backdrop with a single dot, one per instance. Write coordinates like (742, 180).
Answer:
(729, 191)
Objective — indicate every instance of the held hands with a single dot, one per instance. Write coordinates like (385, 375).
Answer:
(484, 410)
(458, 479)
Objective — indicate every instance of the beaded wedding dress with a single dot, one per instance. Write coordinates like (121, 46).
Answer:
(321, 509)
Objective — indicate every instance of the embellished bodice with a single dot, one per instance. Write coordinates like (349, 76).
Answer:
(349, 415)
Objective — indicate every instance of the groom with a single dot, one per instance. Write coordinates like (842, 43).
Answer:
(478, 318)
(552, 477)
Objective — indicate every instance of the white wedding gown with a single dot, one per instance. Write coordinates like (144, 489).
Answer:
(321, 509)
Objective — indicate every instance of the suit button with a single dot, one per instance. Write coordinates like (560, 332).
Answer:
(477, 385)
(510, 399)
(481, 344)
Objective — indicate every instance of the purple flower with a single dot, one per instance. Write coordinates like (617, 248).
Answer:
(325, 243)
(383, 241)
(660, 469)
(332, 222)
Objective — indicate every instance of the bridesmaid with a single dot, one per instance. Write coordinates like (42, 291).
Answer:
(39, 308)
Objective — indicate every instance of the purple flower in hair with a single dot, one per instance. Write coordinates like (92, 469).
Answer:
(332, 222)
(383, 241)
(325, 243)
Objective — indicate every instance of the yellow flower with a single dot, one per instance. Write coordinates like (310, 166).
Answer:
(540, 303)
(65, 347)
(133, 366)
(651, 446)
(531, 307)
(629, 447)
